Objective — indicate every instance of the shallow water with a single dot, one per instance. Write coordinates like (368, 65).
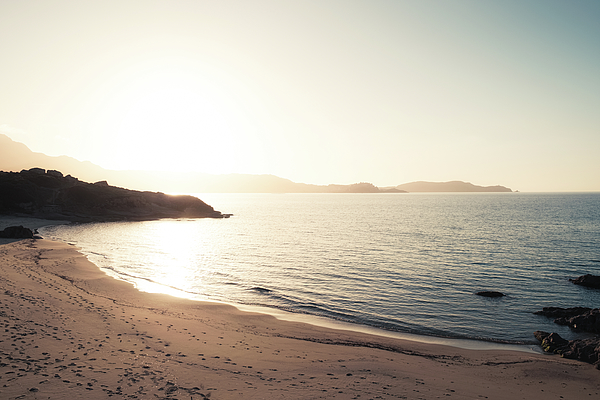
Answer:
(401, 262)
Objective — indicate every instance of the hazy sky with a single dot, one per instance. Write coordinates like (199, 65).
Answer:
(388, 92)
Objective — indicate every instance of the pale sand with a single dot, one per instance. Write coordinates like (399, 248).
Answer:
(70, 332)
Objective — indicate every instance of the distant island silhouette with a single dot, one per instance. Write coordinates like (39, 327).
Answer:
(15, 156)
(453, 186)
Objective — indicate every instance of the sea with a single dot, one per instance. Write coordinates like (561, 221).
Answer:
(393, 263)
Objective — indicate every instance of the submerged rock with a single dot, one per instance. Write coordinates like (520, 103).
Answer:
(490, 293)
(587, 280)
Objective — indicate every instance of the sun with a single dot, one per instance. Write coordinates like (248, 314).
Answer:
(171, 119)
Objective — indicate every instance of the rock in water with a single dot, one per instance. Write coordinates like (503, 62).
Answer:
(587, 280)
(551, 342)
(586, 350)
(589, 321)
(540, 335)
(558, 312)
(490, 293)
(578, 318)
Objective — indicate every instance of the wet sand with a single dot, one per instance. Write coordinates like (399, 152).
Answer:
(70, 331)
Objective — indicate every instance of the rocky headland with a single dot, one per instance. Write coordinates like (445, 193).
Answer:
(49, 194)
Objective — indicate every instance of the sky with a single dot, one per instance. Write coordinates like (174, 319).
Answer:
(388, 92)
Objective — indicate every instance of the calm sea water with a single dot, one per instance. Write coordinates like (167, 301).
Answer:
(401, 262)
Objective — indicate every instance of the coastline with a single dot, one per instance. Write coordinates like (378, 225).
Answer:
(71, 330)
(148, 286)
(413, 285)
(470, 344)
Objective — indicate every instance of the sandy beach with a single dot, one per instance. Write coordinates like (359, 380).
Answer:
(70, 331)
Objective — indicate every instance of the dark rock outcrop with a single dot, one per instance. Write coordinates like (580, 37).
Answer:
(490, 293)
(17, 232)
(558, 312)
(589, 321)
(50, 195)
(587, 280)
(577, 318)
(551, 342)
(586, 350)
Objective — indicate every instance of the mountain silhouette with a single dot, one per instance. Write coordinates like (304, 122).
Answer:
(15, 156)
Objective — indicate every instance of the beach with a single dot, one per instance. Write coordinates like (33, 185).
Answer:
(71, 331)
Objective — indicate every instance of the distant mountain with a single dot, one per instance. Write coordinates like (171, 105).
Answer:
(453, 186)
(15, 156)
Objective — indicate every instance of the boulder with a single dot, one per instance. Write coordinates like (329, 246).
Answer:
(490, 293)
(586, 350)
(587, 280)
(17, 232)
(541, 335)
(551, 342)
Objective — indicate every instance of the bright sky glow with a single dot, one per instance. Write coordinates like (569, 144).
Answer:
(387, 92)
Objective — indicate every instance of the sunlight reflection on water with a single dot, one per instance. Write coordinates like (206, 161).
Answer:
(409, 263)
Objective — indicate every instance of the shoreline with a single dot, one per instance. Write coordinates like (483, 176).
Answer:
(324, 322)
(151, 286)
(73, 331)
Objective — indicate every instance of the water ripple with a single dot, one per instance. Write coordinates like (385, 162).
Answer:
(408, 263)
